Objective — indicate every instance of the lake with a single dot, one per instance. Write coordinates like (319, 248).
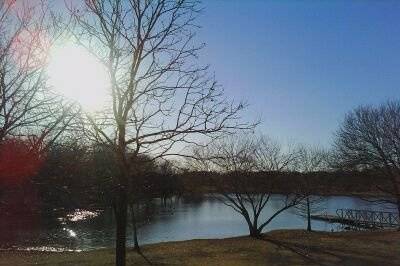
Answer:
(179, 219)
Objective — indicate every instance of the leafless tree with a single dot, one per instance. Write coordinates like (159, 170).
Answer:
(160, 98)
(369, 138)
(243, 188)
(310, 160)
(272, 156)
(28, 109)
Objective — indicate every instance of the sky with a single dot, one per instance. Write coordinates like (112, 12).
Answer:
(302, 65)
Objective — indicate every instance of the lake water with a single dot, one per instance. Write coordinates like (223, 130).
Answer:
(181, 219)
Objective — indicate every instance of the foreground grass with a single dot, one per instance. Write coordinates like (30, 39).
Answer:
(285, 247)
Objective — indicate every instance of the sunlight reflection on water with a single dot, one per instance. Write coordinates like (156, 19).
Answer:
(79, 215)
(41, 249)
(70, 232)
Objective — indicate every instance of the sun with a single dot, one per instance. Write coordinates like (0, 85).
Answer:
(77, 75)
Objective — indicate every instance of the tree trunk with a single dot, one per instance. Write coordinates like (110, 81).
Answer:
(396, 184)
(254, 231)
(398, 211)
(121, 213)
(135, 238)
(252, 225)
(308, 215)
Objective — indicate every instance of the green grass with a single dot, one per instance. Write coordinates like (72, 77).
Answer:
(284, 247)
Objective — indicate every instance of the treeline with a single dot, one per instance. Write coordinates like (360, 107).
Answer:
(70, 176)
(338, 182)
(75, 176)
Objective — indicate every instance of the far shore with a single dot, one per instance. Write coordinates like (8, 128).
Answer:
(280, 247)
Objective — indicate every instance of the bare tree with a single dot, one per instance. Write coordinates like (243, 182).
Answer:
(369, 138)
(242, 186)
(201, 159)
(272, 156)
(28, 109)
(160, 98)
(310, 161)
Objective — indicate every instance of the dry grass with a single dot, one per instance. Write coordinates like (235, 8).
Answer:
(285, 247)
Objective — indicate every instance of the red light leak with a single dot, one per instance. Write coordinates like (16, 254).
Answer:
(29, 49)
(18, 161)
(19, 202)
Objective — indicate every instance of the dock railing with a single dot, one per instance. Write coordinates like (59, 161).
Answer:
(369, 218)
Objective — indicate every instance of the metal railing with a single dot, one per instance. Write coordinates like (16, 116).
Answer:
(369, 218)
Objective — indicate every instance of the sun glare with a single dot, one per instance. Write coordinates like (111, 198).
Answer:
(78, 76)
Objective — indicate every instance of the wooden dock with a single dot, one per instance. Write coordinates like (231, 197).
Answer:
(362, 218)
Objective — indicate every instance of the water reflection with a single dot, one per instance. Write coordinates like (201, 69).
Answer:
(70, 232)
(80, 215)
(175, 219)
(45, 249)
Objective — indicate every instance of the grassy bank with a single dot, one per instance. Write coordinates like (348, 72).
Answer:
(286, 247)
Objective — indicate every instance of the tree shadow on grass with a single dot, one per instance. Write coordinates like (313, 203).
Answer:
(141, 254)
(333, 255)
(304, 251)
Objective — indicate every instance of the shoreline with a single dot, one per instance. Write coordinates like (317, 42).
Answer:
(279, 247)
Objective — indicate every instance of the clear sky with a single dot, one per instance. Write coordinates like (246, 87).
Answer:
(301, 65)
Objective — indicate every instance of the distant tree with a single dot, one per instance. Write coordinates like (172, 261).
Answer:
(168, 185)
(152, 179)
(157, 179)
(142, 191)
(160, 96)
(310, 161)
(196, 162)
(65, 178)
(272, 156)
(104, 167)
(238, 158)
(369, 138)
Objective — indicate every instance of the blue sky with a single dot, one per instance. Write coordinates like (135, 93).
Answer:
(301, 65)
